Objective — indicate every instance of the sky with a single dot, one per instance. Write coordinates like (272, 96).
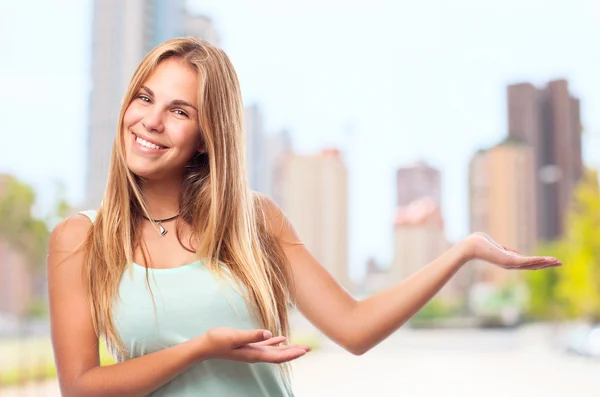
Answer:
(388, 82)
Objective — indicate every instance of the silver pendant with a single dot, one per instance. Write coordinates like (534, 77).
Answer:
(163, 231)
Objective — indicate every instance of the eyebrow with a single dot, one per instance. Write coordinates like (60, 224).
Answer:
(178, 102)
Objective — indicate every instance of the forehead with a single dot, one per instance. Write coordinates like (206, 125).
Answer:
(173, 79)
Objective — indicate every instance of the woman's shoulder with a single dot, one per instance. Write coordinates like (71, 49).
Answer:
(70, 233)
(275, 218)
(265, 205)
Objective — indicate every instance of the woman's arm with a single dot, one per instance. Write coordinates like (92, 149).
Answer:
(360, 325)
(76, 345)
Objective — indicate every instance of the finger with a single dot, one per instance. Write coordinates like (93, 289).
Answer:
(537, 265)
(542, 266)
(252, 336)
(545, 263)
(272, 342)
(518, 265)
(521, 261)
(274, 355)
(282, 356)
(287, 347)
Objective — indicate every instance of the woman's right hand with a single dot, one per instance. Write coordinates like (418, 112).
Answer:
(250, 346)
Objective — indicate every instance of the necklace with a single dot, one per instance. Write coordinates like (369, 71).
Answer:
(159, 222)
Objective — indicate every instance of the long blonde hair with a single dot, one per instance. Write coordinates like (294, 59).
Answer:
(228, 221)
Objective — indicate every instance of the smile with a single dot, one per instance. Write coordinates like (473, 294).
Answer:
(146, 144)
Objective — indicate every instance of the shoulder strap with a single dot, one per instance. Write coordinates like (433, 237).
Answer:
(90, 214)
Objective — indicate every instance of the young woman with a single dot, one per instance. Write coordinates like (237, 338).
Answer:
(185, 273)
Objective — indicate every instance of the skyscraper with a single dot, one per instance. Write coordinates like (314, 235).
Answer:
(417, 181)
(256, 149)
(419, 239)
(548, 119)
(202, 27)
(315, 198)
(502, 198)
(279, 147)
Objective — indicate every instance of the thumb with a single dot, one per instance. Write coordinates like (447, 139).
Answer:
(253, 336)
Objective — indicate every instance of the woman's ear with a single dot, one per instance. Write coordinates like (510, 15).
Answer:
(201, 149)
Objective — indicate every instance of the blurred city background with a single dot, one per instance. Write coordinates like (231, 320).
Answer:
(387, 131)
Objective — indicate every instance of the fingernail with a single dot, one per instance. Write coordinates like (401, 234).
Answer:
(267, 334)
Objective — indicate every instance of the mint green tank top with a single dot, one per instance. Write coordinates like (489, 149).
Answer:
(189, 301)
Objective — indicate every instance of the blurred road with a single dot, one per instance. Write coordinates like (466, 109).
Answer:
(428, 363)
(462, 363)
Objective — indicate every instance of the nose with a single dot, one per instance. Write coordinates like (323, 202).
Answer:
(153, 120)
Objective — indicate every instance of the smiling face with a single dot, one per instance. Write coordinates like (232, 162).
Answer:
(161, 122)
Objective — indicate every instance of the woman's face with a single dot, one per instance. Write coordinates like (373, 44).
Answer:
(161, 122)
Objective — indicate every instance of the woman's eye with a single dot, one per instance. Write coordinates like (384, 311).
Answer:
(180, 112)
(144, 98)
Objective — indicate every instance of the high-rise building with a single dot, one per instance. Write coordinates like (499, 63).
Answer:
(419, 239)
(417, 181)
(279, 147)
(502, 199)
(202, 27)
(123, 33)
(256, 149)
(376, 278)
(548, 119)
(315, 198)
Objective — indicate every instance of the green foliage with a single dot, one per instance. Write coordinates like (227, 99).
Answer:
(25, 233)
(62, 208)
(572, 291)
(579, 285)
(436, 309)
(543, 304)
(509, 296)
(38, 363)
(35, 373)
(36, 308)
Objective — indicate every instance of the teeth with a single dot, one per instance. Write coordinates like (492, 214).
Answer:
(147, 144)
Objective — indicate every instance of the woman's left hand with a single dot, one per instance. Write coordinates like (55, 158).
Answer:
(483, 247)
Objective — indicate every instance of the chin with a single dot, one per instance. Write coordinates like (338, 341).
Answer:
(143, 172)
(150, 171)
(143, 169)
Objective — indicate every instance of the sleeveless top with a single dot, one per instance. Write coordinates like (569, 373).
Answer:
(189, 301)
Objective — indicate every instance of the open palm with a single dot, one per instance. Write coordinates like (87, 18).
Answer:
(251, 346)
(270, 351)
(485, 248)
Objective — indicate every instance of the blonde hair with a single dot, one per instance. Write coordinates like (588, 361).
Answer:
(228, 222)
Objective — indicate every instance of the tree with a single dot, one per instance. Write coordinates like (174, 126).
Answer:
(573, 291)
(543, 302)
(18, 227)
(578, 287)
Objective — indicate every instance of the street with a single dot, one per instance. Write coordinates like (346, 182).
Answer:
(423, 363)
(465, 363)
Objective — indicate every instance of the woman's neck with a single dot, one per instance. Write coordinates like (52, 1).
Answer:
(162, 197)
